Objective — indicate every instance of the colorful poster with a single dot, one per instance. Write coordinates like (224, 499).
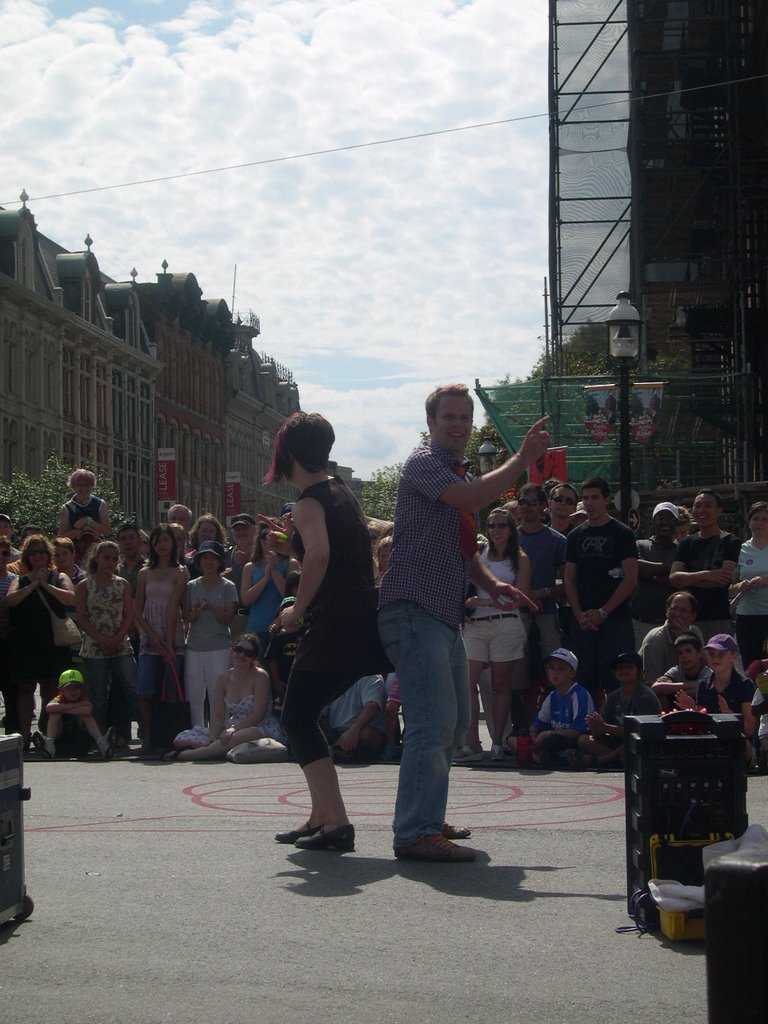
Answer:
(601, 414)
(551, 464)
(166, 474)
(645, 410)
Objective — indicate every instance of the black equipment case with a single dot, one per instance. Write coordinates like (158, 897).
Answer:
(686, 787)
(14, 901)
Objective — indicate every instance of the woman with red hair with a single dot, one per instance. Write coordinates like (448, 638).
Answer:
(337, 598)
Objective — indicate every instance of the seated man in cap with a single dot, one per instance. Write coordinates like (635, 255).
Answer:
(604, 748)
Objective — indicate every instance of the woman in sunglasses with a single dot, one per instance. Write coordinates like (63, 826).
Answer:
(33, 596)
(242, 709)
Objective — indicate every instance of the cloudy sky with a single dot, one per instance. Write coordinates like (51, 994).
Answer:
(378, 271)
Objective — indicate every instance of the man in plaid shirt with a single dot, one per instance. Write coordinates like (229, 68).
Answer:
(421, 610)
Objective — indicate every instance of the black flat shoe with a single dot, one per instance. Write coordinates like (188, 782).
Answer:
(297, 833)
(341, 839)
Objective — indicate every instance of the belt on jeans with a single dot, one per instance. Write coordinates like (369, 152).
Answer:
(502, 615)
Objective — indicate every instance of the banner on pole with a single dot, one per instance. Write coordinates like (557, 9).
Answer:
(645, 410)
(232, 496)
(165, 487)
(601, 413)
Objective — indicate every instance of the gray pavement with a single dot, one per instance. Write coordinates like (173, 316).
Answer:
(160, 896)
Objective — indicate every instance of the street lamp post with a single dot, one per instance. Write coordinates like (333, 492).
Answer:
(486, 455)
(623, 345)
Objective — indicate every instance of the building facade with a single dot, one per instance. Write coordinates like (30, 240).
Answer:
(106, 373)
(77, 374)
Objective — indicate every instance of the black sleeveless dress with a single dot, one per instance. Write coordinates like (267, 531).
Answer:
(342, 635)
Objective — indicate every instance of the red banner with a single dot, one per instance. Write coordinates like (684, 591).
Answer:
(232, 496)
(551, 464)
(166, 474)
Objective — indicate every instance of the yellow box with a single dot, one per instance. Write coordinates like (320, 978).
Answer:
(680, 925)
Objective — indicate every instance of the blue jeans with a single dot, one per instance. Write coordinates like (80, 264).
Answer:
(431, 666)
(116, 674)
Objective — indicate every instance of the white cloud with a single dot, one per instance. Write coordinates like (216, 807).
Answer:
(377, 272)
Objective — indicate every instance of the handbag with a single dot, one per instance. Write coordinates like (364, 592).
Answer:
(65, 632)
(170, 712)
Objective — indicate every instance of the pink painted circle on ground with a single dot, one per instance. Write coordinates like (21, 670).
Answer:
(487, 800)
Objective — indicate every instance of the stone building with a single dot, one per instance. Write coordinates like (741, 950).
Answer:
(77, 371)
(110, 372)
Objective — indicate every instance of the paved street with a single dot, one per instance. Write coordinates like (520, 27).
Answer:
(161, 897)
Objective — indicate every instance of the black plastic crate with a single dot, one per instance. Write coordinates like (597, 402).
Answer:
(686, 787)
(14, 901)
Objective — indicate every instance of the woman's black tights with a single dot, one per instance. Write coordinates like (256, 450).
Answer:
(306, 695)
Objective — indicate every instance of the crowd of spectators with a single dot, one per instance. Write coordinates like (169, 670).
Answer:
(616, 626)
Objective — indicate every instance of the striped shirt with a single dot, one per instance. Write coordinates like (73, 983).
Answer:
(426, 565)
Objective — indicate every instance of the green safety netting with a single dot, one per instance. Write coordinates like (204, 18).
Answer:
(704, 435)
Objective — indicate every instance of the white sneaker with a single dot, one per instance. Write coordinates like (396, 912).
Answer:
(50, 746)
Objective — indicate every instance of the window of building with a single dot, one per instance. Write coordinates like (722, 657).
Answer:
(11, 363)
(31, 453)
(68, 383)
(102, 422)
(132, 408)
(145, 414)
(118, 476)
(10, 447)
(32, 381)
(68, 449)
(84, 388)
(118, 404)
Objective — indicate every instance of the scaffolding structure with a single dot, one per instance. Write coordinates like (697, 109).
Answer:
(659, 184)
(703, 408)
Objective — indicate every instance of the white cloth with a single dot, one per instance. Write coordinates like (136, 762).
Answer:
(674, 896)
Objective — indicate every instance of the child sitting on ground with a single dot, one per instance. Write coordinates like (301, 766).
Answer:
(71, 725)
(562, 718)
(605, 747)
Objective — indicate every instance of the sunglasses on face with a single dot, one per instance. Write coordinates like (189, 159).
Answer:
(568, 501)
(247, 652)
(530, 502)
(498, 526)
(37, 551)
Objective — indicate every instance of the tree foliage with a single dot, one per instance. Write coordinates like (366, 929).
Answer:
(585, 354)
(380, 492)
(29, 500)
